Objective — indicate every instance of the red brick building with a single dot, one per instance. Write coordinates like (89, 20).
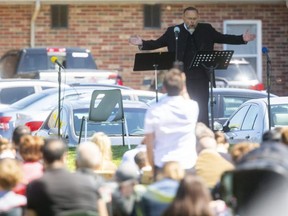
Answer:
(105, 26)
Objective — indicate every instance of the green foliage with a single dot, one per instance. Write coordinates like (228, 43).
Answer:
(117, 153)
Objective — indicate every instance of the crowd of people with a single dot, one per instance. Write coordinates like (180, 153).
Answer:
(34, 179)
(181, 168)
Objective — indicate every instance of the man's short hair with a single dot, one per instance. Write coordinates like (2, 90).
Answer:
(53, 150)
(18, 132)
(173, 82)
(190, 9)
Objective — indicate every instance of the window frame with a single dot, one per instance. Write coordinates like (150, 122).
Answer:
(152, 25)
(258, 55)
(60, 23)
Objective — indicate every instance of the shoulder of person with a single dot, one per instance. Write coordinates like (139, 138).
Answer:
(204, 25)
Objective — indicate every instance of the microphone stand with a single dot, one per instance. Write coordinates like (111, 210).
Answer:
(176, 49)
(268, 67)
(59, 101)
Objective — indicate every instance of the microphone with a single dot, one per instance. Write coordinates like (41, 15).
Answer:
(176, 32)
(54, 60)
(265, 51)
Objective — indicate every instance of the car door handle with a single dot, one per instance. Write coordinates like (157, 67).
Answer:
(247, 137)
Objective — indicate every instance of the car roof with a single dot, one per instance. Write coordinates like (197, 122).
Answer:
(27, 81)
(99, 85)
(273, 100)
(238, 90)
(44, 49)
(85, 103)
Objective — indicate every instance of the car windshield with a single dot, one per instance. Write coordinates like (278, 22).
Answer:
(279, 115)
(34, 62)
(78, 60)
(134, 118)
(237, 72)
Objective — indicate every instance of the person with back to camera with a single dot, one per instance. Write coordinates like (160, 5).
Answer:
(192, 37)
(170, 125)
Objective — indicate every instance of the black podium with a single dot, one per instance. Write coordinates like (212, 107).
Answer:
(154, 61)
(209, 61)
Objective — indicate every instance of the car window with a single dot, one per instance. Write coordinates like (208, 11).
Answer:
(236, 121)
(279, 115)
(237, 72)
(34, 62)
(52, 120)
(250, 118)
(46, 87)
(11, 95)
(145, 99)
(231, 104)
(134, 118)
(78, 60)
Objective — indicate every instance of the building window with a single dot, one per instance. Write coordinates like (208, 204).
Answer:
(252, 52)
(152, 16)
(59, 16)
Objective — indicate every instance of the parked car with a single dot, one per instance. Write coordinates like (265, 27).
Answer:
(34, 109)
(71, 118)
(12, 90)
(35, 106)
(239, 74)
(227, 100)
(250, 120)
(35, 63)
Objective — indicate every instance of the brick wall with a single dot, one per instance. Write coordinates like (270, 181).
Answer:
(105, 30)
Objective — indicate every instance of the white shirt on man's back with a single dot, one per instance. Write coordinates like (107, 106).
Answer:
(173, 120)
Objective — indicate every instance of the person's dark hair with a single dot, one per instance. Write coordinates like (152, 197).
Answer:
(53, 150)
(140, 159)
(18, 132)
(190, 9)
(192, 198)
(272, 135)
(173, 82)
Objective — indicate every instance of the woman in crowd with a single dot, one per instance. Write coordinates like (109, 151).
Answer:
(10, 175)
(192, 199)
(104, 144)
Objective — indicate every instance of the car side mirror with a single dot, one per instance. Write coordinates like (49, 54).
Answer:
(226, 127)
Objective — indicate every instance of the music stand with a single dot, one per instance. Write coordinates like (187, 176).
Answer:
(154, 61)
(211, 60)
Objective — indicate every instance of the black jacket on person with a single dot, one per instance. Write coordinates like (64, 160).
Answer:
(204, 38)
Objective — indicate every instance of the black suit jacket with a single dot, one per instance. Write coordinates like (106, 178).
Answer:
(205, 36)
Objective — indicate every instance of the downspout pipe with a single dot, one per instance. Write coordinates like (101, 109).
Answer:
(33, 20)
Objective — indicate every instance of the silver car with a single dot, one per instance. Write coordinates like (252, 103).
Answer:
(250, 120)
(73, 111)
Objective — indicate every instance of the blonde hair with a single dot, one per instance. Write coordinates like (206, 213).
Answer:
(5, 145)
(104, 144)
(10, 173)
(31, 148)
(173, 170)
(242, 148)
